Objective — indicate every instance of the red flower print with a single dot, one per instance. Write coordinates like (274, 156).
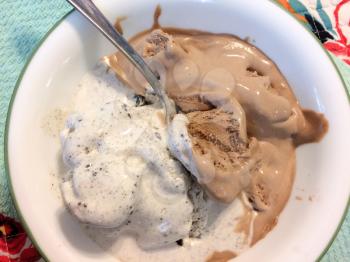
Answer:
(15, 246)
(340, 47)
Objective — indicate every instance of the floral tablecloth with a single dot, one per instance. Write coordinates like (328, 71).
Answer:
(24, 23)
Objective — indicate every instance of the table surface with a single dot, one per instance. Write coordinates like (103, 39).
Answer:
(24, 23)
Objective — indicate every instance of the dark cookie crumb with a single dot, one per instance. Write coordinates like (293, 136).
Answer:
(180, 242)
(158, 135)
(124, 106)
(140, 100)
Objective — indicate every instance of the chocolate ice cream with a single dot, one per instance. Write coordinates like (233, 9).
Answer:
(239, 121)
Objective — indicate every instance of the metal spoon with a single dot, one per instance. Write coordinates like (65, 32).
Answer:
(88, 9)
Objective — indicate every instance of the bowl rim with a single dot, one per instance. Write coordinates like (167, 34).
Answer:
(19, 81)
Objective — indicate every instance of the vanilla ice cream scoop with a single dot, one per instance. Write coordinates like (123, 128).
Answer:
(120, 173)
(103, 192)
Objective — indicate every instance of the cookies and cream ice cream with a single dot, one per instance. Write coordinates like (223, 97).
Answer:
(120, 172)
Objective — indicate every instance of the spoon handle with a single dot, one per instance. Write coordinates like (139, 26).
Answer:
(88, 9)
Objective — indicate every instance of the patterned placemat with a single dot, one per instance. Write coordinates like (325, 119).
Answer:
(24, 23)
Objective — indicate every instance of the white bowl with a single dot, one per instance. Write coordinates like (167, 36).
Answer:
(304, 228)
